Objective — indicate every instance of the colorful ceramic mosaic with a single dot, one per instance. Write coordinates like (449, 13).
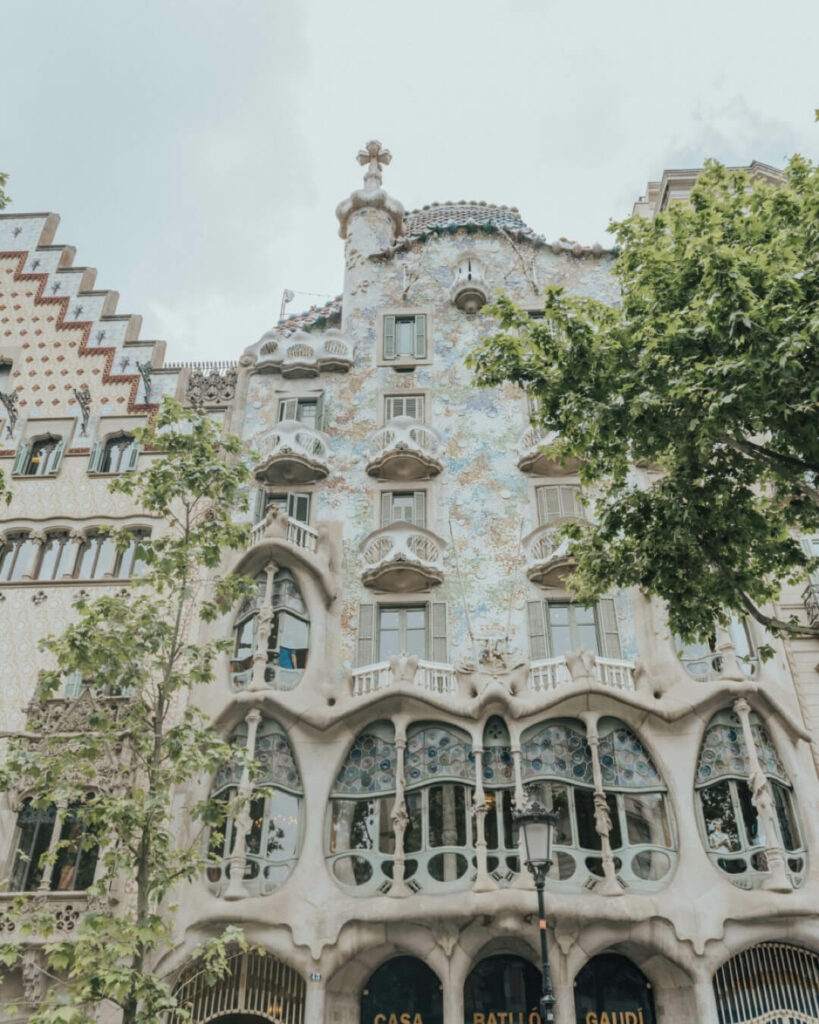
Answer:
(766, 752)
(498, 766)
(557, 751)
(625, 763)
(368, 768)
(275, 756)
(723, 753)
(438, 753)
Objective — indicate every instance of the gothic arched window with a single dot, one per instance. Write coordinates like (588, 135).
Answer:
(498, 770)
(99, 556)
(75, 859)
(733, 827)
(117, 454)
(287, 628)
(57, 557)
(39, 458)
(15, 556)
(272, 840)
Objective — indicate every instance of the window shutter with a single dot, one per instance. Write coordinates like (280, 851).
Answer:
(95, 458)
(570, 502)
(419, 508)
(538, 644)
(412, 407)
(288, 409)
(439, 633)
(421, 336)
(259, 504)
(386, 508)
(366, 618)
(607, 625)
(131, 457)
(389, 337)
(320, 411)
(298, 507)
(548, 504)
(21, 458)
(56, 457)
(811, 548)
(72, 684)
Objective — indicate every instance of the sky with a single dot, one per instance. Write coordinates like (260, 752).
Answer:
(196, 149)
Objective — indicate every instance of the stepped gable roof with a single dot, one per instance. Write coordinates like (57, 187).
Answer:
(315, 316)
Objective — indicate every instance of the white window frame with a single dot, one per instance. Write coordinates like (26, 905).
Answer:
(405, 362)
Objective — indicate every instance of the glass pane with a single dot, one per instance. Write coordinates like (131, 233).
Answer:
(651, 865)
(490, 825)
(245, 638)
(587, 836)
(282, 825)
(389, 618)
(783, 801)
(50, 558)
(353, 825)
(306, 413)
(405, 336)
(413, 836)
(24, 553)
(720, 820)
(447, 816)
(555, 797)
(754, 829)
(646, 819)
(402, 507)
(587, 637)
(559, 614)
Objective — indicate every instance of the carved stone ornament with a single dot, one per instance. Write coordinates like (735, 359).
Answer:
(373, 156)
(214, 388)
(32, 971)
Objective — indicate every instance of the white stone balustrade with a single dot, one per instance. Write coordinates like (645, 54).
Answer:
(402, 558)
(547, 554)
(404, 449)
(300, 534)
(430, 676)
(296, 454)
(304, 355)
(532, 458)
(550, 673)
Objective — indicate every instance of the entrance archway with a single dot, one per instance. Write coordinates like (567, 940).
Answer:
(402, 991)
(254, 989)
(502, 988)
(610, 989)
(767, 981)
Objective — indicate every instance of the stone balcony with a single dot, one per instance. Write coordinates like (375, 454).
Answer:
(403, 450)
(402, 558)
(383, 675)
(810, 597)
(44, 915)
(548, 556)
(297, 455)
(303, 354)
(469, 291)
(294, 532)
(551, 673)
(533, 459)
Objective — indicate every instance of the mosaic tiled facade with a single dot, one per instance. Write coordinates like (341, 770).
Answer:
(427, 670)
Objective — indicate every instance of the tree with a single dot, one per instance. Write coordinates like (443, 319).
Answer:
(4, 198)
(705, 375)
(120, 753)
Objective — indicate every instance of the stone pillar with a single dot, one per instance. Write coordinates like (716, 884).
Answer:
(704, 1008)
(257, 681)
(728, 653)
(241, 823)
(480, 808)
(763, 801)
(453, 999)
(399, 816)
(314, 1003)
(524, 879)
(609, 886)
(76, 537)
(37, 539)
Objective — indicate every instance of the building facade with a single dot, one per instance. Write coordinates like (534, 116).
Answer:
(413, 666)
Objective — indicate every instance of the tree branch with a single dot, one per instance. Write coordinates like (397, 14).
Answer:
(777, 461)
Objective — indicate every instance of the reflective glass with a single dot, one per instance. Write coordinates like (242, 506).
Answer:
(647, 819)
(720, 817)
(785, 816)
(447, 815)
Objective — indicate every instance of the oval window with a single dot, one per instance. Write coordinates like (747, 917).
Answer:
(651, 865)
(566, 866)
(446, 867)
(352, 870)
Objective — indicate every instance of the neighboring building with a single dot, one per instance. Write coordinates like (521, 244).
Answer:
(424, 665)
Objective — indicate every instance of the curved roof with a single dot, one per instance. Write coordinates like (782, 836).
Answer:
(440, 215)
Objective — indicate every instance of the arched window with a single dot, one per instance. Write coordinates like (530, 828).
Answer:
(117, 454)
(99, 557)
(498, 770)
(15, 556)
(57, 557)
(782, 978)
(733, 829)
(361, 843)
(288, 634)
(611, 987)
(76, 858)
(403, 988)
(439, 769)
(272, 842)
(703, 661)
(39, 458)
(558, 771)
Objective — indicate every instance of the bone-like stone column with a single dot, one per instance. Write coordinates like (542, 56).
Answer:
(399, 816)
(257, 681)
(609, 886)
(763, 801)
(242, 822)
(480, 808)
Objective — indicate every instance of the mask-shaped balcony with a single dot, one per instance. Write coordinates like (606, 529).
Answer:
(303, 354)
(469, 290)
(548, 558)
(533, 459)
(297, 455)
(404, 449)
(402, 558)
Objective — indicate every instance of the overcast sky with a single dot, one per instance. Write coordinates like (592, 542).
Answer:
(196, 149)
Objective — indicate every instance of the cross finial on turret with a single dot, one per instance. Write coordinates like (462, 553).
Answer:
(372, 157)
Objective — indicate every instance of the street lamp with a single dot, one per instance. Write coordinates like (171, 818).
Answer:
(536, 824)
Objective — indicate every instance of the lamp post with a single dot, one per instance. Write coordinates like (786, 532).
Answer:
(536, 824)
